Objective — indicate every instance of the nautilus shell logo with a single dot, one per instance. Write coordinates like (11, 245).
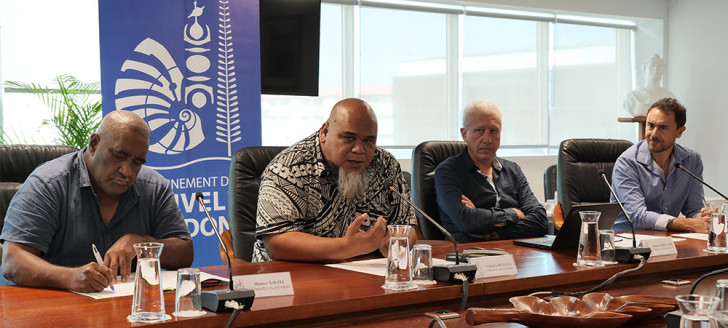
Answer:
(153, 86)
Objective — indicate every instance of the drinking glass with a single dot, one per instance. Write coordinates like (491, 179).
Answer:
(695, 309)
(399, 273)
(422, 264)
(188, 301)
(717, 231)
(589, 253)
(148, 302)
(606, 244)
(718, 319)
(721, 291)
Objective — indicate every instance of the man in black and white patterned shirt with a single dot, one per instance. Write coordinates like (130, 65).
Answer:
(326, 198)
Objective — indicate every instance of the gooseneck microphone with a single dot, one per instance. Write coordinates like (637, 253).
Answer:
(631, 224)
(679, 166)
(200, 198)
(214, 300)
(626, 255)
(447, 272)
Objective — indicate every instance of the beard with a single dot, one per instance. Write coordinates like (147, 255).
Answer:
(659, 147)
(350, 185)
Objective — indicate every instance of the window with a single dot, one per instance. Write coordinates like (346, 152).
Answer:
(403, 75)
(552, 80)
(500, 64)
(417, 65)
(586, 88)
(38, 45)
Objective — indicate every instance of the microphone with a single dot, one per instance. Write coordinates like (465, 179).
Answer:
(626, 255)
(446, 272)
(679, 166)
(214, 300)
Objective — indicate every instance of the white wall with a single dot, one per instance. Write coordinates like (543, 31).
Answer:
(698, 77)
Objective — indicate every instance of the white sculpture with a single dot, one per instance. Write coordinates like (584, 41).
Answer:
(639, 100)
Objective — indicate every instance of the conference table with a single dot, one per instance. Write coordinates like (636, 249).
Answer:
(331, 297)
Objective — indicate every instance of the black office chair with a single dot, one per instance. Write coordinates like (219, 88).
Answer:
(246, 168)
(17, 162)
(577, 173)
(425, 158)
(549, 182)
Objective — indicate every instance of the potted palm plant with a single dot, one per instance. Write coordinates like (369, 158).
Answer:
(75, 107)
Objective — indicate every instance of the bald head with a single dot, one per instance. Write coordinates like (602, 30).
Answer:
(352, 109)
(349, 137)
(116, 153)
(118, 120)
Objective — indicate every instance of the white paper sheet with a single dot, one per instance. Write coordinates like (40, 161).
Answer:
(377, 267)
(169, 282)
(693, 235)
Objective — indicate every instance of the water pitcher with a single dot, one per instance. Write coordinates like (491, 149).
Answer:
(399, 274)
(718, 230)
(589, 252)
(148, 301)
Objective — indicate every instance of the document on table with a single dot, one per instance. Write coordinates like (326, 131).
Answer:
(377, 267)
(169, 282)
(626, 239)
(693, 235)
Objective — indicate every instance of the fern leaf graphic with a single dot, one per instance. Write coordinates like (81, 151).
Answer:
(228, 124)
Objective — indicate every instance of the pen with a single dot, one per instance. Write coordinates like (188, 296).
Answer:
(99, 259)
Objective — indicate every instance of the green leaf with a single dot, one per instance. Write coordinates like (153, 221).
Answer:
(75, 108)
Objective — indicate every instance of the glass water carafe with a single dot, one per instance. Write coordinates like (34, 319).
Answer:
(589, 252)
(148, 302)
(399, 273)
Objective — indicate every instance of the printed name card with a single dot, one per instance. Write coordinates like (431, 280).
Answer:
(494, 266)
(660, 246)
(266, 284)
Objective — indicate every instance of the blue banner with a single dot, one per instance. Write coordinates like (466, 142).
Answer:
(191, 70)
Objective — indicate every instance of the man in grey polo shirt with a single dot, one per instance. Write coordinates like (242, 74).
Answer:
(100, 195)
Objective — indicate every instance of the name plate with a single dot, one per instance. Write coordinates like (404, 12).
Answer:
(266, 284)
(660, 246)
(494, 266)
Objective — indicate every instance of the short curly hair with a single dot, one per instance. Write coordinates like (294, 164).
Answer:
(673, 106)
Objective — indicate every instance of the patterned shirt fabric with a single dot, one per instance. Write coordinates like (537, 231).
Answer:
(494, 201)
(652, 200)
(298, 192)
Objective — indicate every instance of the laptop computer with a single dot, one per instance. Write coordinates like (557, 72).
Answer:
(568, 236)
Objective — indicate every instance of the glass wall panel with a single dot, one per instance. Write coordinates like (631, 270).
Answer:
(402, 74)
(586, 95)
(499, 64)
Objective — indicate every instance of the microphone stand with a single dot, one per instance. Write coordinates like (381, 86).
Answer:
(627, 255)
(444, 273)
(215, 300)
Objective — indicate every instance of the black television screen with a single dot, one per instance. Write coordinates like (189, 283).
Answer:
(289, 46)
